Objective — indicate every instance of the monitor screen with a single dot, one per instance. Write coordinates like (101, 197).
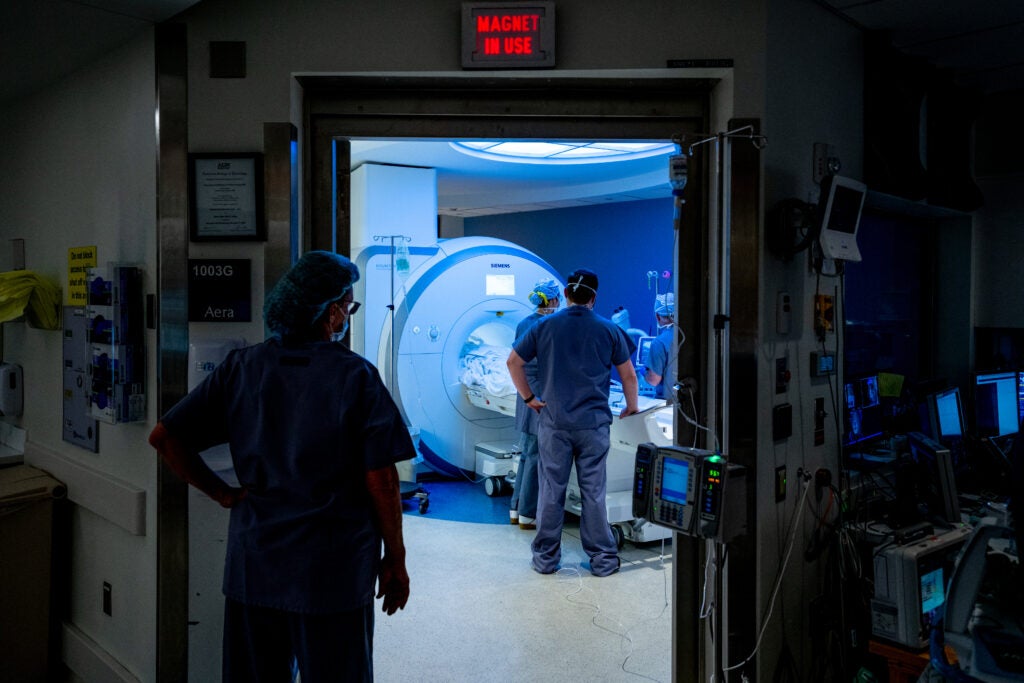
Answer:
(846, 206)
(936, 481)
(997, 403)
(933, 590)
(949, 414)
(500, 285)
(674, 480)
(643, 349)
(1020, 395)
(840, 206)
(863, 411)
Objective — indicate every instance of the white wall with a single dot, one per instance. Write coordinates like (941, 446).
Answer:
(814, 93)
(79, 168)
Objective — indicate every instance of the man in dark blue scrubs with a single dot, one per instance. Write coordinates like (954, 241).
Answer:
(314, 438)
(575, 350)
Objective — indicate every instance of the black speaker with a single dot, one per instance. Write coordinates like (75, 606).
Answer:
(227, 59)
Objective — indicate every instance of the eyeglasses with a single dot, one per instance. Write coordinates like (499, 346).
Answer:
(353, 306)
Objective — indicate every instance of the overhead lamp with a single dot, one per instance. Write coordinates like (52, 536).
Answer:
(561, 152)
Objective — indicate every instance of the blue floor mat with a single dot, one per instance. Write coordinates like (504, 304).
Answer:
(461, 501)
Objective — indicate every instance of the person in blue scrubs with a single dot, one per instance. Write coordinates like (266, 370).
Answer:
(523, 505)
(659, 371)
(575, 350)
(314, 438)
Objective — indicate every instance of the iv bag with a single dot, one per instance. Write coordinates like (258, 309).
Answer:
(402, 260)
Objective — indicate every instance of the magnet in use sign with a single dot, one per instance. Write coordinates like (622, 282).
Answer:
(219, 290)
(508, 35)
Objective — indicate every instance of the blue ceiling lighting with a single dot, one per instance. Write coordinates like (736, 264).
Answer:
(564, 152)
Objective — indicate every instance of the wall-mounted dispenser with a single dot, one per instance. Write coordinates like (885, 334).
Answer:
(117, 360)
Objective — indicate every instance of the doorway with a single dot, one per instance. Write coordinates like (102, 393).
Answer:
(572, 106)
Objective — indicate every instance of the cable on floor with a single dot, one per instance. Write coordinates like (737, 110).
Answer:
(573, 576)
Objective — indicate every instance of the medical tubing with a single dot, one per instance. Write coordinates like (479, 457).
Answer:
(778, 578)
(709, 563)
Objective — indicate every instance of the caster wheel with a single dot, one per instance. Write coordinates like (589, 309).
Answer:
(619, 536)
(423, 507)
(492, 486)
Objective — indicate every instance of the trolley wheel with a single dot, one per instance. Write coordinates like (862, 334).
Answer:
(619, 535)
(492, 486)
(424, 504)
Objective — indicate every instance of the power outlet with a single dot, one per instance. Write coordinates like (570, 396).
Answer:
(822, 161)
(780, 483)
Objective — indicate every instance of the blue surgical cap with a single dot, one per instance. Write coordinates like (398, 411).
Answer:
(544, 292)
(302, 295)
(665, 304)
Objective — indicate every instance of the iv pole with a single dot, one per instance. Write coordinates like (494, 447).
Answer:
(719, 294)
(391, 305)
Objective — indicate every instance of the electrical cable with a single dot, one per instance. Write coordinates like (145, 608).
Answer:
(574, 576)
(709, 575)
(697, 425)
(778, 578)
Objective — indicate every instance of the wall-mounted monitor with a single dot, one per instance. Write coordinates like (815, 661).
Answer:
(840, 206)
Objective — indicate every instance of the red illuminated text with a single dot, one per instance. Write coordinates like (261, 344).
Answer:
(518, 45)
(508, 35)
(507, 23)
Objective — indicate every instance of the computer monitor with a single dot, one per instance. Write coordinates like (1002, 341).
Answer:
(1020, 394)
(643, 350)
(936, 480)
(949, 414)
(997, 403)
(942, 416)
(863, 414)
(842, 200)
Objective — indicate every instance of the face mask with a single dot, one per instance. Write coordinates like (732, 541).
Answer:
(340, 336)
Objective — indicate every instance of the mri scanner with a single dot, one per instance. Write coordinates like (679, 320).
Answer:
(455, 309)
(439, 323)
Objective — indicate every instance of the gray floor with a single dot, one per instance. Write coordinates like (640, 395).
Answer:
(478, 612)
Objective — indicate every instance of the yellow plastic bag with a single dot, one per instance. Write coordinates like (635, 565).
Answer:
(24, 293)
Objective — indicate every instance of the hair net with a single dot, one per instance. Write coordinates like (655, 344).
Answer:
(665, 304)
(544, 292)
(301, 296)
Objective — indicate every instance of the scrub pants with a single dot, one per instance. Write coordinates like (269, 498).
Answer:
(260, 644)
(524, 495)
(589, 449)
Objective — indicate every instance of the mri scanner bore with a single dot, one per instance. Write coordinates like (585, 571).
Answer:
(440, 332)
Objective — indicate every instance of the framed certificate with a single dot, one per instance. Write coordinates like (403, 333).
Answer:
(226, 197)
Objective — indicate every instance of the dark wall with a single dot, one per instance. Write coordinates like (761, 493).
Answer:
(620, 242)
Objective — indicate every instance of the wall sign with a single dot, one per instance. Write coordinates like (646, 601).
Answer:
(80, 260)
(508, 35)
(219, 291)
(226, 197)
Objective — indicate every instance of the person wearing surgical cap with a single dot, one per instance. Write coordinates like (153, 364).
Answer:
(660, 371)
(575, 350)
(546, 297)
(314, 438)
